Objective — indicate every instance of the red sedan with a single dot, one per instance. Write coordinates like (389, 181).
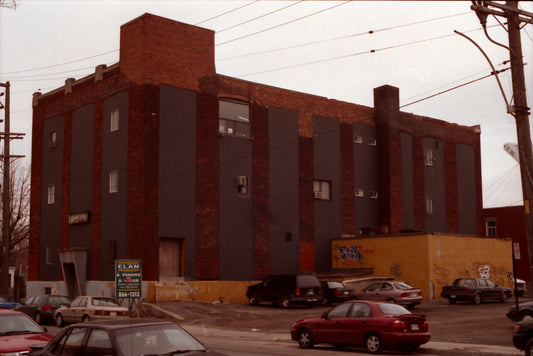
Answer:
(373, 325)
(18, 332)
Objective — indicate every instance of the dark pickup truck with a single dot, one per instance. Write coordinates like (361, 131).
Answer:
(475, 290)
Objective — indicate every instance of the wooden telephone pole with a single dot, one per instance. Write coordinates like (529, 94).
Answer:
(519, 109)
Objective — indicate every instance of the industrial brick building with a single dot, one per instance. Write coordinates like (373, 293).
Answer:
(208, 177)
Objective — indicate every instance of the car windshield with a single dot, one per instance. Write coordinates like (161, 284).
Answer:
(392, 309)
(155, 340)
(402, 285)
(307, 281)
(335, 285)
(105, 302)
(17, 324)
(58, 300)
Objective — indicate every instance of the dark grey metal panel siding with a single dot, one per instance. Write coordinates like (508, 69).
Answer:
(466, 189)
(408, 203)
(51, 213)
(365, 164)
(81, 174)
(177, 170)
(114, 205)
(236, 234)
(434, 186)
(283, 141)
(327, 167)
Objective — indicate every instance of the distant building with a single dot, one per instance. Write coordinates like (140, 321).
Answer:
(208, 177)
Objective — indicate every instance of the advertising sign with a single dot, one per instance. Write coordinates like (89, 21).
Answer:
(128, 279)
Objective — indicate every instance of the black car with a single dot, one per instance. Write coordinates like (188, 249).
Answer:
(41, 307)
(286, 290)
(334, 292)
(122, 338)
(524, 309)
(523, 335)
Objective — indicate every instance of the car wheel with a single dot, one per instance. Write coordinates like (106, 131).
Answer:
(477, 298)
(253, 300)
(529, 347)
(391, 300)
(373, 343)
(285, 302)
(452, 300)
(38, 318)
(524, 314)
(85, 319)
(59, 320)
(504, 297)
(305, 339)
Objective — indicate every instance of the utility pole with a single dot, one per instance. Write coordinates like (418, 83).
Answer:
(519, 110)
(7, 135)
(6, 211)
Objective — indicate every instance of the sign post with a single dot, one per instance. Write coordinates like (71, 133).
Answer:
(128, 280)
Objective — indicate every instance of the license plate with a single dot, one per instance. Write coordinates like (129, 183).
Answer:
(310, 292)
(452, 296)
(414, 327)
(113, 313)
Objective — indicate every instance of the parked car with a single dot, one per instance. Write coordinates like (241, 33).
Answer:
(475, 290)
(124, 338)
(18, 332)
(523, 335)
(372, 325)
(521, 287)
(7, 302)
(41, 307)
(524, 309)
(391, 291)
(286, 290)
(86, 308)
(334, 292)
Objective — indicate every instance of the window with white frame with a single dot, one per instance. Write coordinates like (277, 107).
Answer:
(428, 157)
(114, 120)
(322, 190)
(52, 139)
(359, 193)
(373, 194)
(242, 185)
(491, 227)
(357, 139)
(51, 194)
(113, 181)
(372, 141)
(234, 118)
(430, 205)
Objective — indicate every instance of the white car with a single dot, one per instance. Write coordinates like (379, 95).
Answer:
(86, 308)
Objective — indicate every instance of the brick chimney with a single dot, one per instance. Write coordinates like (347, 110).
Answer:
(156, 50)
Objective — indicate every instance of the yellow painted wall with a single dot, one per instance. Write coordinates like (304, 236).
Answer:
(427, 261)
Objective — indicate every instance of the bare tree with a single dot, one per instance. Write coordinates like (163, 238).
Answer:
(19, 220)
(10, 4)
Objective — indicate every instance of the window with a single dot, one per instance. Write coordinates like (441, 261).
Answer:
(51, 194)
(357, 139)
(111, 251)
(49, 256)
(234, 119)
(428, 157)
(322, 190)
(242, 185)
(491, 227)
(114, 120)
(359, 193)
(373, 194)
(70, 343)
(98, 343)
(52, 139)
(372, 141)
(113, 181)
(430, 206)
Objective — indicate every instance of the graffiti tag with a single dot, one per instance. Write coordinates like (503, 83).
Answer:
(484, 272)
(350, 253)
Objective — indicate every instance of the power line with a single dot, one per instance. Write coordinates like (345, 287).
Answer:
(225, 13)
(282, 24)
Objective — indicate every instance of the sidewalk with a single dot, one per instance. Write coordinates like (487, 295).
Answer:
(431, 348)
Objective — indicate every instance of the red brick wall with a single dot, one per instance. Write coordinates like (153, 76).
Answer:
(157, 50)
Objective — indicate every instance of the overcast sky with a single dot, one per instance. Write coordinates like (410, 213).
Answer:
(318, 47)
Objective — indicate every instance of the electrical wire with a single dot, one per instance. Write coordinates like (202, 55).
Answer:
(225, 13)
(282, 24)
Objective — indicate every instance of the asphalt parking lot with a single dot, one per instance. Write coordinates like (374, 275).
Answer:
(460, 323)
